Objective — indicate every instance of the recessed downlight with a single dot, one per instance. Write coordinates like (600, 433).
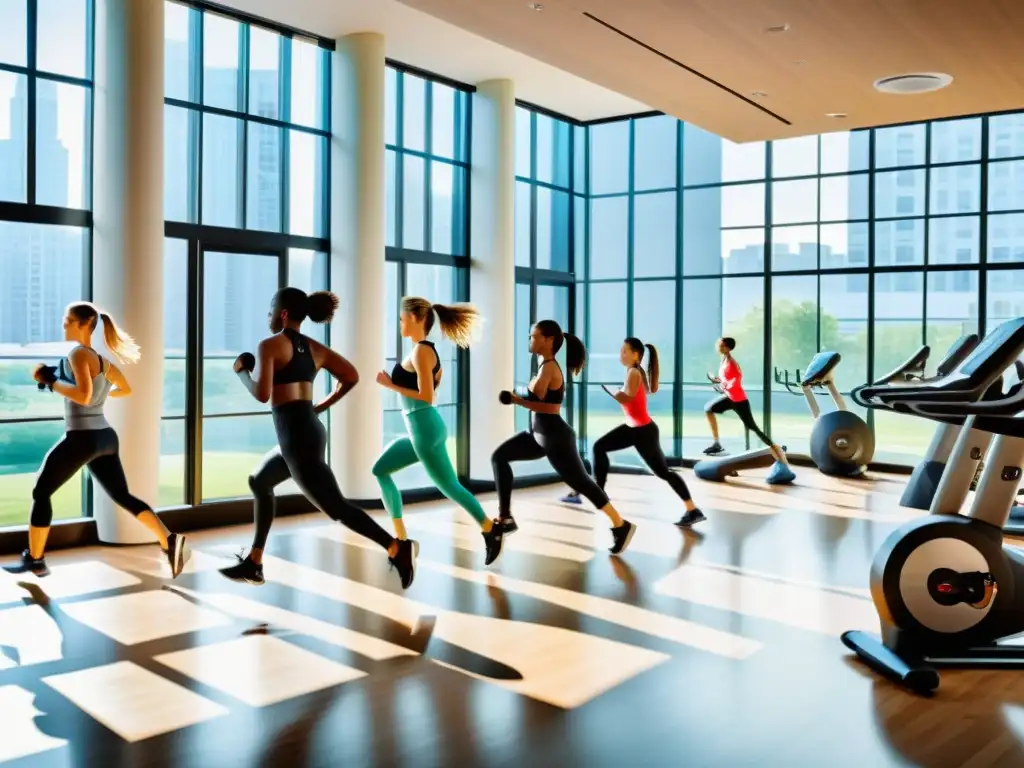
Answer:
(535, 6)
(909, 84)
(758, 94)
(776, 29)
(836, 115)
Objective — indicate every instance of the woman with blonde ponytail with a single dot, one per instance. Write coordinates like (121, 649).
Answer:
(415, 379)
(640, 431)
(85, 379)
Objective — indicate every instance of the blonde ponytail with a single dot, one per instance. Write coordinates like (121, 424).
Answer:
(121, 345)
(457, 321)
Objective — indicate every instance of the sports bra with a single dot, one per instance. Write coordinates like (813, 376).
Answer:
(301, 367)
(402, 377)
(554, 396)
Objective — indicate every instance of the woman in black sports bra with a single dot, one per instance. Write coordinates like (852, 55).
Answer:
(286, 366)
(549, 435)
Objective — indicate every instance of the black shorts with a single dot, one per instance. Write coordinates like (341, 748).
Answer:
(722, 405)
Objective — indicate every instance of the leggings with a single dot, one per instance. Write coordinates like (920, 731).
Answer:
(300, 455)
(549, 436)
(722, 404)
(428, 444)
(647, 441)
(95, 448)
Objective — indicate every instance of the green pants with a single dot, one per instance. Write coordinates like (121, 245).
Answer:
(428, 444)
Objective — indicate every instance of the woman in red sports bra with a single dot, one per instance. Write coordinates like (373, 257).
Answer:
(640, 431)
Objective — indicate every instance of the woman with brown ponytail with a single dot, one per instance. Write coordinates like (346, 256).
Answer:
(549, 434)
(640, 431)
(85, 379)
(415, 379)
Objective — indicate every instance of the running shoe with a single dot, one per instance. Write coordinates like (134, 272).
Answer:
(622, 536)
(29, 564)
(244, 571)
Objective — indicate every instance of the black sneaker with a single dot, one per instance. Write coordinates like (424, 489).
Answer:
(714, 449)
(405, 561)
(571, 498)
(178, 553)
(245, 571)
(692, 517)
(622, 536)
(29, 564)
(508, 525)
(494, 540)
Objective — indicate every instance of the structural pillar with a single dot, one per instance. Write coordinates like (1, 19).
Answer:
(128, 236)
(493, 270)
(358, 221)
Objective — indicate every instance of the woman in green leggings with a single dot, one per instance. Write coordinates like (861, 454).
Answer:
(415, 380)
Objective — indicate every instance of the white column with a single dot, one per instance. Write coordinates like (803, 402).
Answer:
(493, 273)
(358, 217)
(128, 241)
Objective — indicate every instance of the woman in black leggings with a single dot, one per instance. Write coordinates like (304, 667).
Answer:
(640, 431)
(549, 435)
(286, 364)
(85, 379)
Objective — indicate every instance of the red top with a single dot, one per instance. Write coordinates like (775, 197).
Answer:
(636, 409)
(732, 380)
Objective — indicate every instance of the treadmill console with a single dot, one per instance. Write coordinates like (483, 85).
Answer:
(820, 368)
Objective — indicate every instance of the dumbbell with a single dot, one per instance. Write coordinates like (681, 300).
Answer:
(505, 397)
(247, 360)
(48, 374)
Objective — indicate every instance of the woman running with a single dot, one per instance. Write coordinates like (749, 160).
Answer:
(549, 435)
(415, 379)
(640, 431)
(730, 377)
(85, 379)
(286, 365)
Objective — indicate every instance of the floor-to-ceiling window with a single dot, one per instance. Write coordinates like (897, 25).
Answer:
(427, 178)
(45, 229)
(870, 243)
(549, 213)
(246, 170)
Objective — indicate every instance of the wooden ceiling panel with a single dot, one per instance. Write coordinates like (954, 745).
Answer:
(702, 60)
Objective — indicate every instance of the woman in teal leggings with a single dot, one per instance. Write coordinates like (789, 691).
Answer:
(415, 380)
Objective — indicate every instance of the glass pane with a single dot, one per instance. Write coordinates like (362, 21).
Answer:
(14, 39)
(445, 208)
(181, 129)
(22, 449)
(899, 193)
(553, 304)
(552, 229)
(391, 196)
(553, 151)
(845, 151)
(62, 116)
(522, 342)
(264, 72)
(523, 158)
(844, 198)
(1006, 186)
(232, 448)
(794, 202)
(654, 311)
(952, 306)
(1005, 297)
(899, 243)
(414, 112)
(609, 230)
(13, 137)
(579, 159)
(742, 204)
(176, 304)
(1006, 135)
(391, 311)
(706, 247)
(171, 491)
(308, 82)
(606, 332)
(307, 164)
(900, 146)
(413, 203)
(237, 289)
(442, 120)
(263, 196)
(523, 235)
(220, 61)
(390, 106)
(177, 34)
(954, 240)
(308, 270)
(956, 140)
(1006, 237)
(654, 235)
(843, 319)
(843, 245)
(710, 159)
(609, 158)
(655, 153)
(61, 39)
(221, 148)
(795, 157)
(579, 227)
(794, 329)
(794, 248)
(955, 189)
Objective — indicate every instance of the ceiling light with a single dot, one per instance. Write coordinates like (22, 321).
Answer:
(535, 6)
(758, 94)
(920, 82)
(836, 115)
(776, 29)
(800, 62)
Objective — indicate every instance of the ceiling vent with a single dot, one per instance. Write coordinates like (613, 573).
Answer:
(905, 85)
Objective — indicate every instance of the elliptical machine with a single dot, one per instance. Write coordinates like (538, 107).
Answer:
(841, 441)
(945, 587)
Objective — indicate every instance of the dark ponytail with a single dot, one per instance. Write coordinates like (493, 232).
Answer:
(318, 306)
(575, 352)
(321, 306)
(653, 369)
(729, 343)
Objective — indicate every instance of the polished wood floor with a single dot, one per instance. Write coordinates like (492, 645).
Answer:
(717, 647)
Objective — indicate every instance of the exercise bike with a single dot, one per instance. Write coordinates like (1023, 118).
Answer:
(946, 589)
(841, 441)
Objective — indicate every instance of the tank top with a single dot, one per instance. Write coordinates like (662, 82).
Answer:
(89, 416)
(403, 377)
(636, 409)
(301, 367)
(732, 380)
